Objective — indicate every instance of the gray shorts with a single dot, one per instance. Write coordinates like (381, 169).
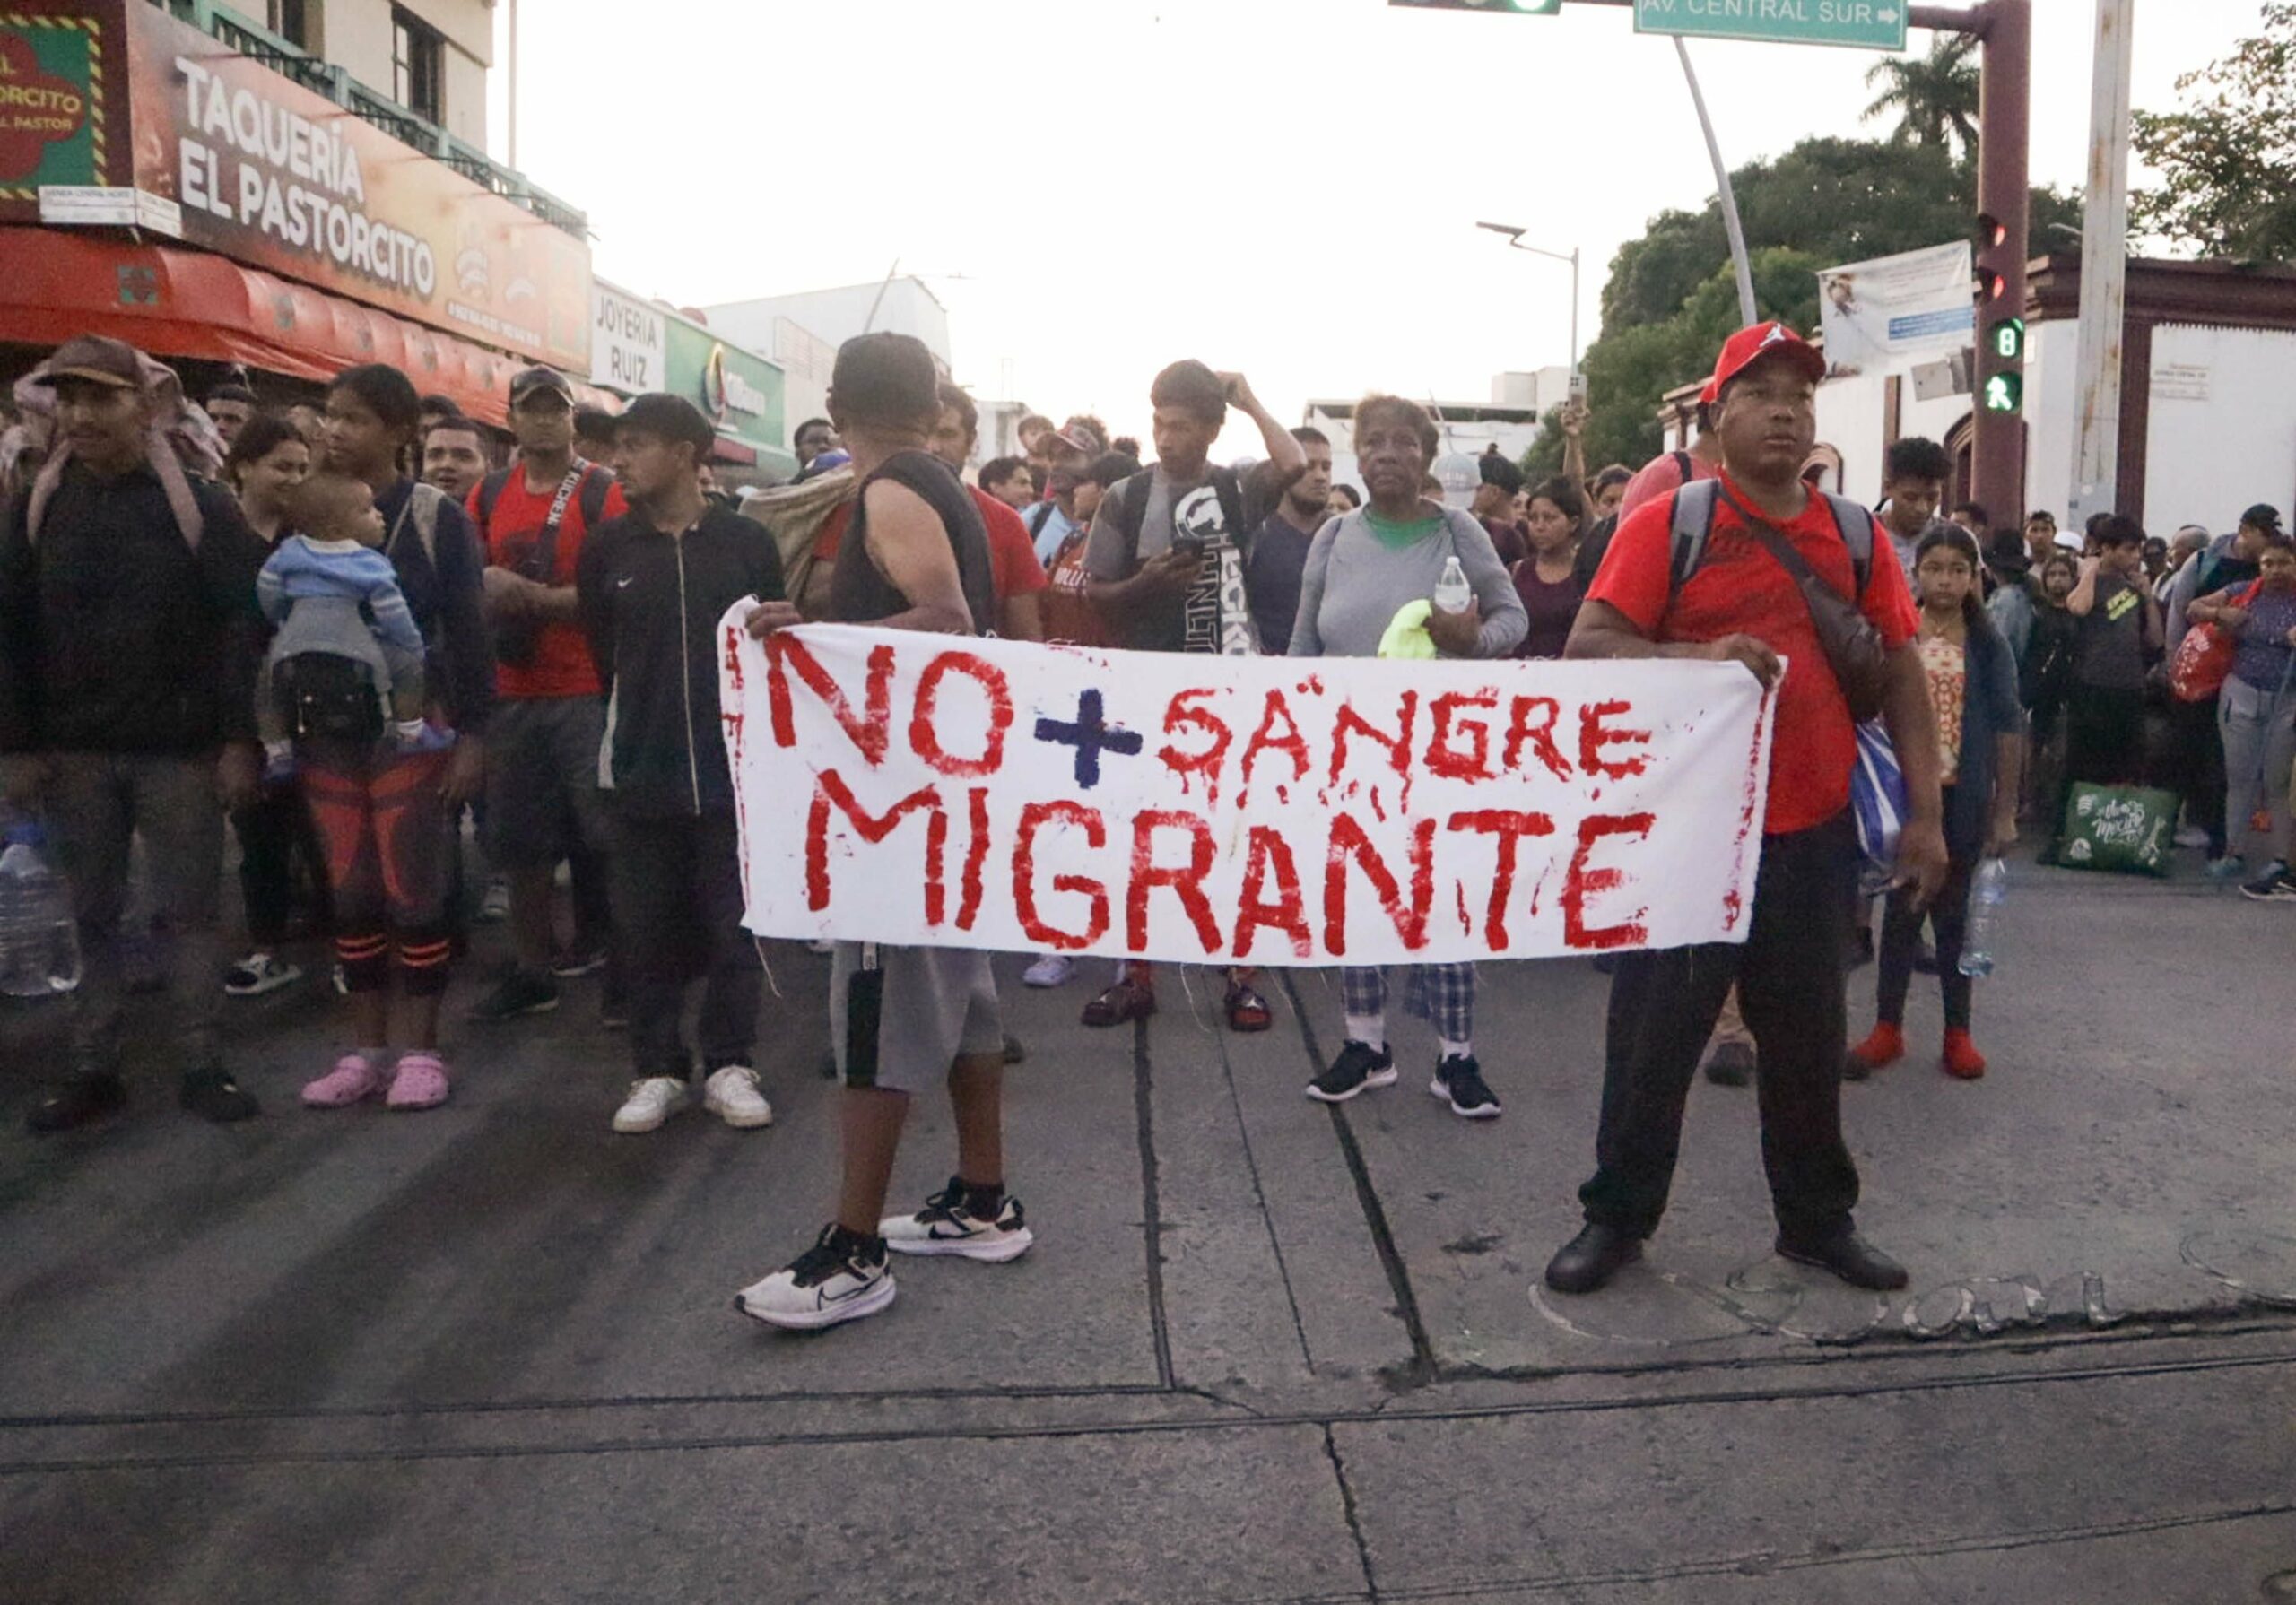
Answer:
(543, 801)
(936, 1005)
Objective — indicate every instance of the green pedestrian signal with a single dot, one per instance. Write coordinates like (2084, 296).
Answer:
(1505, 8)
(2009, 339)
(2005, 392)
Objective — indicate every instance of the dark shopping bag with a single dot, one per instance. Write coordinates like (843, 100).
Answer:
(2126, 828)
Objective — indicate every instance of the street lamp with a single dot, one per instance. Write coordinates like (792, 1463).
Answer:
(1514, 237)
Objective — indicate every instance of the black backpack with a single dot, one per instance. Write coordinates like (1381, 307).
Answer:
(515, 643)
(323, 696)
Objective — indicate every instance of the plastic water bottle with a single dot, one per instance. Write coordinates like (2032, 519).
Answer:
(1453, 594)
(1988, 890)
(39, 943)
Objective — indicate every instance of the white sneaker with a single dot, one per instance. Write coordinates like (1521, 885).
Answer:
(651, 1101)
(839, 1278)
(731, 1094)
(1051, 970)
(945, 1226)
(259, 973)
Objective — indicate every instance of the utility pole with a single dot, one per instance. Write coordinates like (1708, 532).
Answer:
(513, 162)
(2004, 198)
(1747, 313)
(2104, 271)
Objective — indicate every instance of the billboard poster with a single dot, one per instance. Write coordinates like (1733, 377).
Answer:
(1876, 314)
(53, 89)
(277, 177)
(630, 342)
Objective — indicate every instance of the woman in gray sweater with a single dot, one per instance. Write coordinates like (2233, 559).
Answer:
(1363, 569)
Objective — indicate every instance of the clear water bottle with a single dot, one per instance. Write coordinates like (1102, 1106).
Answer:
(39, 943)
(1988, 890)
(1453, 594)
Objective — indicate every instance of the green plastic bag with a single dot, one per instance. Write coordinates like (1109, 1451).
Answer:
(2126, 828)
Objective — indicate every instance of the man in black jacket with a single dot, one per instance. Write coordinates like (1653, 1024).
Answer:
(129, 638)
(651, 589)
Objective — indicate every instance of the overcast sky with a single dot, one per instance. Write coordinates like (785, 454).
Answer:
(1287, 186)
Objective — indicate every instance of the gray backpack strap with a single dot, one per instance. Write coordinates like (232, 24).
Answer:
(1857, 527)
(1693, 521)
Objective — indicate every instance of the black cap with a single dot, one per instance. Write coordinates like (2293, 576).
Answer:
(671, 417)
(2005, 555)
(593, 420)
(527, 380)
(1501, 471)
(2264, 516)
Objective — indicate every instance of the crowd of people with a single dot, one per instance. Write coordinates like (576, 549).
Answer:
(345, 628)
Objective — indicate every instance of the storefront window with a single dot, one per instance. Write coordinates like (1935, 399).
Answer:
(290, 19)
(418, 66)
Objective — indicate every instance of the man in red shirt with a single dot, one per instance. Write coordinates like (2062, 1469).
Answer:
(1019, 578)
(1742, 605)
(543, 802)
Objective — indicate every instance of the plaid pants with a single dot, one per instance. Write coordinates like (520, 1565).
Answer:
(1441, 994)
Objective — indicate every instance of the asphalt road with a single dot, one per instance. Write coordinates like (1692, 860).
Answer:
(1263, 1351)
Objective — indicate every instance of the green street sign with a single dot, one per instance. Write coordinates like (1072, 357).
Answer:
(1862, 24)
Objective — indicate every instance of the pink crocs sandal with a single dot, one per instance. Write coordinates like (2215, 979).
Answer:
(353, 1078)
(420, 1082)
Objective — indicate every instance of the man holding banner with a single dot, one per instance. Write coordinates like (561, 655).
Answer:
(1761, 570)
(914, 558)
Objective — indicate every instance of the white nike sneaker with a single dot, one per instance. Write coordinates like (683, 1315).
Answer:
(841, 1277)
(651, 1101)
(1051, 970)
(945, 1226)
(731, 1094)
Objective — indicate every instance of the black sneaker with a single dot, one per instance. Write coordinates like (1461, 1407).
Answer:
(212, 1095)
(1459, 1083)
(1360, 1065)
(571, 964)
(75, 1103)
(2277, 884)
(1730, 1064)
(519, 994)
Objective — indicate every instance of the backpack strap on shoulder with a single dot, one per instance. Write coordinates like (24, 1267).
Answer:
(1693, 521)
(1132, 509)
(1857, 527)
(595, 483)
(490, 492)
(1040, 515)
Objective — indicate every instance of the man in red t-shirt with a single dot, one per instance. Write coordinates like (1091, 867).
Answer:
(543, 801)
(1740, 605)
(1014, 568)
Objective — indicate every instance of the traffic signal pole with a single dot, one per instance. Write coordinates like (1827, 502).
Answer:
(2004, 195)
(2104, 272)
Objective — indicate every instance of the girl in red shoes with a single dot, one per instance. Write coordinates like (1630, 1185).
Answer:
(1980, 739)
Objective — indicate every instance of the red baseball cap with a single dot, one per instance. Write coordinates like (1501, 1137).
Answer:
(1751, 345)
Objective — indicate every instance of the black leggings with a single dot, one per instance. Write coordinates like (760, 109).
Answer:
(1949, 919)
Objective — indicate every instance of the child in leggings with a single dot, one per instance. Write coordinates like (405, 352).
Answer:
(1973, 678)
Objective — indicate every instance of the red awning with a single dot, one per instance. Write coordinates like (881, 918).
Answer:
(175, 302)
(733, 454)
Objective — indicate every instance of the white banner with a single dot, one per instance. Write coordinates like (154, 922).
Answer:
(1876, 313)
(925, 790)
(629, 343)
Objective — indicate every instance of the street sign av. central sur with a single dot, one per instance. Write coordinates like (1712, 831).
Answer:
(1863, 24)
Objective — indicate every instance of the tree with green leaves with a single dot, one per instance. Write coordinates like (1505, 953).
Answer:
(1934, 97)
(2227, 159)
(1670, 299)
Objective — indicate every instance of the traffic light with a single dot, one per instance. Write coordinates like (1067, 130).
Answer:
(2000, 319)
(1513, 8)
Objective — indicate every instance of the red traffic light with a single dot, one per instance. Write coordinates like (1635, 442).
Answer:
(1992, 233)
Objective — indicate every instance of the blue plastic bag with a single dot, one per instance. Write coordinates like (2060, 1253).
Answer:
(1877, 797)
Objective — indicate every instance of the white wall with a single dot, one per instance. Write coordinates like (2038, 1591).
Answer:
(2209, 459)
(1853, 418)
(355, 35)
(838, 314)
